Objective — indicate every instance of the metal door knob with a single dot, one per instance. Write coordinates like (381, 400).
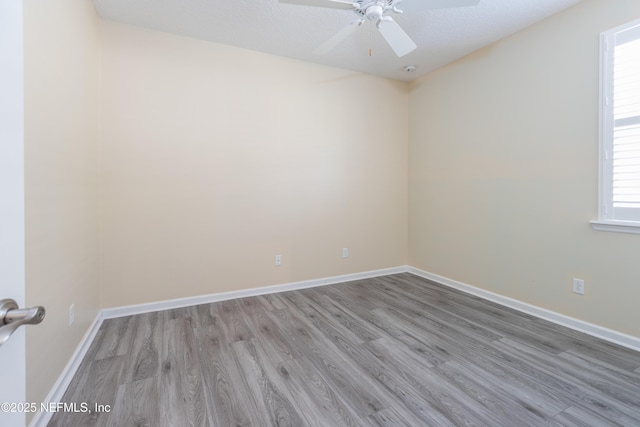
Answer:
(12, 317)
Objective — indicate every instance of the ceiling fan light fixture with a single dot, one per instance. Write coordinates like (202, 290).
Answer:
(374, 13)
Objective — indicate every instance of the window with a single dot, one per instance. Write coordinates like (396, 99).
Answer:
(620, 129)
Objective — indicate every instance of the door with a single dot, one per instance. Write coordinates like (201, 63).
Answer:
(12, 276)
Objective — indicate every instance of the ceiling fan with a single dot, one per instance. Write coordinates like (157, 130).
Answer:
(377, 11)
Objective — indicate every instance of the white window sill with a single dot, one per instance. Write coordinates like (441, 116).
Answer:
(617, 226)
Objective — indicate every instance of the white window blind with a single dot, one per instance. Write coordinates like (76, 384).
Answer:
(620, 178)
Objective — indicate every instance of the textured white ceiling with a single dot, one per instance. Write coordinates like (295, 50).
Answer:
(296, 31)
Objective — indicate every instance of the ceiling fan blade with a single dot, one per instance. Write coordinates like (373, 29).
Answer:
(331, 4)
(424, 5)
(338, 38)
(399, 41)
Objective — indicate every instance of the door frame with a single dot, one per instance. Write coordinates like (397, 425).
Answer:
(12, 209)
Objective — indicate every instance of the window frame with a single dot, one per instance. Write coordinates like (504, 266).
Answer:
(606, 221)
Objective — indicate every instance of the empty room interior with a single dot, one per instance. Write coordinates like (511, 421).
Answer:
(226, 228)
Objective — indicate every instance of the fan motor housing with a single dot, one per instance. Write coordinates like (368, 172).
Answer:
(374, 13)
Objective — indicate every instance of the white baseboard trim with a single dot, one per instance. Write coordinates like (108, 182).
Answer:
(606, 334)
(41, 419)
(110, 313)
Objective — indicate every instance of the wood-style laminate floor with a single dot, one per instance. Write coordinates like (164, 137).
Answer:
(391, 351)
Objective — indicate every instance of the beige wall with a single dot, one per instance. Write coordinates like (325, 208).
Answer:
(503, 163)
(215, 159)
(61, 180)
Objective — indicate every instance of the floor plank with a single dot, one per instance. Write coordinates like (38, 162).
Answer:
(391, 351)
(276, 407)
(135, 405)
(183, 400)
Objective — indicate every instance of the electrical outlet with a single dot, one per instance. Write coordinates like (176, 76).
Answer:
(71, 315)
(278, 260)
(578, 286)
(345, 252)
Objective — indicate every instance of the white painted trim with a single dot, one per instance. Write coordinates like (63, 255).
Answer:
(606, 212)
(12, 205)
(610, 335)
(60, 387)
(617, 226)
(110, 313)
(604, 164)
